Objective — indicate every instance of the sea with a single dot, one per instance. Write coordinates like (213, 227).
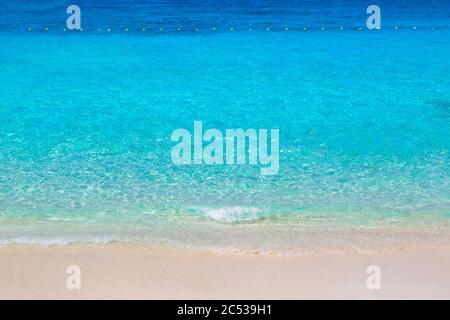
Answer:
(86, 118)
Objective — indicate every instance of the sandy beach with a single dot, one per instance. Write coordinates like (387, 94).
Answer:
(130, 271)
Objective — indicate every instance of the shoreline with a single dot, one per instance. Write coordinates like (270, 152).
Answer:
(270, 240)
(136, 271)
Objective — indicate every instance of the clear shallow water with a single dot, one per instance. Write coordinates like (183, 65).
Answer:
(364, 121)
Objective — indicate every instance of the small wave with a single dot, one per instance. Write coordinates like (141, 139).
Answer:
(232, 214)
(53, 241)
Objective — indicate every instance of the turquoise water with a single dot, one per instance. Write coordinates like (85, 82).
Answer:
(364, 120)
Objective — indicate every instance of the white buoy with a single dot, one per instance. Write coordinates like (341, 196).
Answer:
(286, 29)
(231, 29)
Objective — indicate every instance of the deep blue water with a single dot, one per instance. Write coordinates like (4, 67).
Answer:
(188, 15)
(86, 119)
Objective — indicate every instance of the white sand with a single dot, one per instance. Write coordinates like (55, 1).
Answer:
(133, 271)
